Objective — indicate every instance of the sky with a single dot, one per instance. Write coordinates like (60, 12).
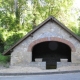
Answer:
(76, 4)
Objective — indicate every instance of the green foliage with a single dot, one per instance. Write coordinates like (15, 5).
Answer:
(1, 41)
(4, 59)
(12, 38)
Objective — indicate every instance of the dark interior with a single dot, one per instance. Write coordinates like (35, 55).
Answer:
(51, 52)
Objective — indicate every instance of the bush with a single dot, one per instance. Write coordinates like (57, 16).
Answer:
(4, 59)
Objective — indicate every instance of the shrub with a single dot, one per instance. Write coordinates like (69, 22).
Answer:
(4, 59)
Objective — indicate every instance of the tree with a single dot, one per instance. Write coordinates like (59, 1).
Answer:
(24, 15)
(41, 9)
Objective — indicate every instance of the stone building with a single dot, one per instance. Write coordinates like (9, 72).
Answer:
(49, 46)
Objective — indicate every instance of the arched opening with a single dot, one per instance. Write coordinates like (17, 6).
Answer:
(51, 52)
